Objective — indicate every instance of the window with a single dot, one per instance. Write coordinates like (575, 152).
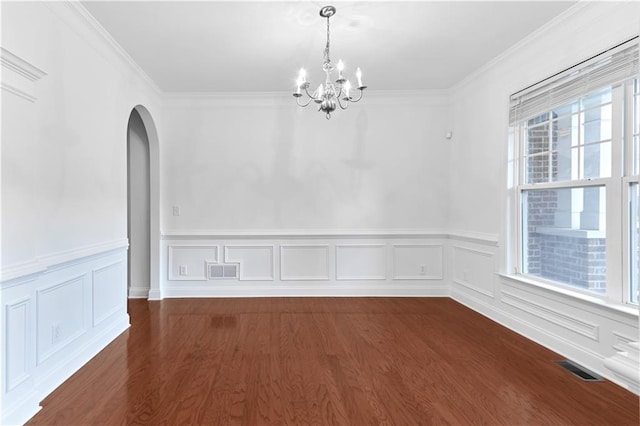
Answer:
(577, 146)
(633, 255)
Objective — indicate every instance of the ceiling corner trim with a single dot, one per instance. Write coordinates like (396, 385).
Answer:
(95, 27)
(557, 20)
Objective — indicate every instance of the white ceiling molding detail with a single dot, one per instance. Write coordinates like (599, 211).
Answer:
(78, 17)
(258, 46)
(19, 76)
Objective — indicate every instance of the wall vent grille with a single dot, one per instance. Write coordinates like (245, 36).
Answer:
(222, 271)
(579, 371)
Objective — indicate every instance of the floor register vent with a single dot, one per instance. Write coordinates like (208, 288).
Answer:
(222, 271)
(579, 371)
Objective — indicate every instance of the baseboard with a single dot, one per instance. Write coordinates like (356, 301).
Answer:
(47, 384)
(83, 354)
(138, 292)
(22, 412)
(155, 294)
(306, 291)
(567, 349)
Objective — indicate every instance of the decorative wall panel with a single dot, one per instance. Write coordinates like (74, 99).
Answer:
(60, 316)
(474, 269)
(256, 261)
(361, 262)
(17, 342)
(304, 262)
(541, 309)
(418, 261)
(189, 262)
(107, 292)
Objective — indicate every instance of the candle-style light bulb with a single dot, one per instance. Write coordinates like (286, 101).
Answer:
(359, 76)
(302, 76)
(299, 83)
(340, 69)
(320, 91)
(347, 87)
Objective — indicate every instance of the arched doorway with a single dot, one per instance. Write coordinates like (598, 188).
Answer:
(143, 225)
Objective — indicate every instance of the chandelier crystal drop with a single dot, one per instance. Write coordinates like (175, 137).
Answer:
(330, 96)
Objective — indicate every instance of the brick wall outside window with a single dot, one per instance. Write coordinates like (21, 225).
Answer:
(579, 261)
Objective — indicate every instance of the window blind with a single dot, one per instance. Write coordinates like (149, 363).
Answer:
(606, 69)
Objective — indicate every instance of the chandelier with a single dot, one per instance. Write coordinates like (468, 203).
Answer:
(329, 96)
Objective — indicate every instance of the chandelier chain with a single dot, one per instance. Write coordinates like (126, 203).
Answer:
(327, 59)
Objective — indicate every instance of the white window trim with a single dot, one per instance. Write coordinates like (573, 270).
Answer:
(617, 295)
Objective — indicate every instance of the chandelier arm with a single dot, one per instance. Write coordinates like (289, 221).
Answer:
(313, 98)
(303, 104)
(346, 104)
(359, 97)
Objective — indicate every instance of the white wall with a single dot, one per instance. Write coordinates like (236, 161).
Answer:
(586, 331)
(267, 164)
(64, 196)
(294, 199)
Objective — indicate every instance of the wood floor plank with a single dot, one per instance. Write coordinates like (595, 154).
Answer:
(325, 361)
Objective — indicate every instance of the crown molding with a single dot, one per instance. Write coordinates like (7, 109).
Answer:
(594, 15)
(557, 20)
(88, 20)
(275, 98)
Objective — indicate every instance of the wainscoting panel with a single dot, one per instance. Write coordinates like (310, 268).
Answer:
(544, 309)
(17, 343)
(106, 295)
(584, 331)
(189, 262)
(60, 316)
(313, 263)
(256, 262)
(361, 262)
(56, 320)
(619, 340)
(474, 269)
(418, 262)
(304, 262)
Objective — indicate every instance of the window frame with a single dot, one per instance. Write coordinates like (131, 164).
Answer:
(617, 185)
(631, 175)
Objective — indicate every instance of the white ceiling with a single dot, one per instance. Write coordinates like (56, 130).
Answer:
(259, 46)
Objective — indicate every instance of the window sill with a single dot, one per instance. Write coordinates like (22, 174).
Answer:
(627, 309)
(570, 232)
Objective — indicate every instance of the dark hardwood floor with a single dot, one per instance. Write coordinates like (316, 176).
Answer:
(322, 361)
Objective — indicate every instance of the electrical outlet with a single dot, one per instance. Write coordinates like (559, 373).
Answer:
(422, 270)
(183, 269)
(55, 333)
(176, 210)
